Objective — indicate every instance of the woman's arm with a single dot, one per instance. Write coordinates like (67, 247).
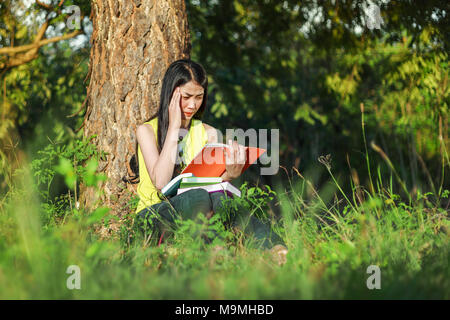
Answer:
(159, 166)
(212, 133)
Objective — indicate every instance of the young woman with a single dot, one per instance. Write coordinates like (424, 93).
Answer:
(169, 141)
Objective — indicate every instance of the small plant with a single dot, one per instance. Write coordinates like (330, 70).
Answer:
(253, 200)
(76, 164)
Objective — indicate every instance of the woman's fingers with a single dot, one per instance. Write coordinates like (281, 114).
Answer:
(242, 155)
(237, 154)
(175, 109)
(227, 154)
(235, 158)
(175, 98)
(230, 153)
(178, 97)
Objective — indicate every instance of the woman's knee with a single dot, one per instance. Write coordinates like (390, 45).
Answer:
(197, 201)
(150, 216)
(217, 200)
(199, 196)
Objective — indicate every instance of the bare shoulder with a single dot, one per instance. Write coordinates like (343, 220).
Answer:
(144, 128)
(212, 133)
(208, 127)
(144, 132)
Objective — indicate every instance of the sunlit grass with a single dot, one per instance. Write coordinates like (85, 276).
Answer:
(330, 247)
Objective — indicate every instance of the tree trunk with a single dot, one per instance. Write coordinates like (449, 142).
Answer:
(133, 43)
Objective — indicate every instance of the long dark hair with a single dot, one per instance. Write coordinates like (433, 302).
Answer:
(179, 73)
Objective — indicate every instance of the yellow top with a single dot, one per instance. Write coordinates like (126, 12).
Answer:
(192, 144)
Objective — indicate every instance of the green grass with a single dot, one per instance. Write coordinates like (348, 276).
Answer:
(330, 247)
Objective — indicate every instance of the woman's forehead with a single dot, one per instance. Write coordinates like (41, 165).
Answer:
(192, 88)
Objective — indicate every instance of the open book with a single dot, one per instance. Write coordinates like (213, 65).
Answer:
(210, 161)
(171, 188)
(186, 182)
(218, 187)
(189, 182)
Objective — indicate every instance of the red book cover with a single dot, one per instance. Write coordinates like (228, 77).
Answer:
(210, 161)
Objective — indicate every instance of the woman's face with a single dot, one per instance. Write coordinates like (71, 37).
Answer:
(191, 99)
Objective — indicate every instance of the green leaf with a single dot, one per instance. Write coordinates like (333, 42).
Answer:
(66, 169)
(22, 32)
(98, 215)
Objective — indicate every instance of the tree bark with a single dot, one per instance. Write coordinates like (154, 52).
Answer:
(133, 43)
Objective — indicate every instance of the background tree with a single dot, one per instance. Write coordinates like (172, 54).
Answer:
(133, 43)
(16, 55)
(38, 68)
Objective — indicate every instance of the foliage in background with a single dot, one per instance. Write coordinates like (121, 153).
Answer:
(303, 68)
(306, 68)
(37, 97)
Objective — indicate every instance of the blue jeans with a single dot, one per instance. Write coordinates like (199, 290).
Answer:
(160, 218)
